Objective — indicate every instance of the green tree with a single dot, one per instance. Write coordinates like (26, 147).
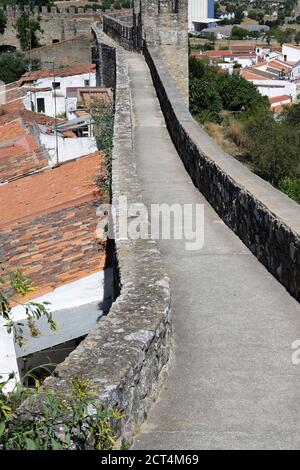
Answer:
(238, 33)
(12, 66)
(106, 4)
(283, 36)
(291, 187)
(279, 35)
(205, 102)
(291, 115)
(274, 150)
(15, 283)
(196, 68)
(238, 94)
(297, 38)
(27, 30)
(3, 22)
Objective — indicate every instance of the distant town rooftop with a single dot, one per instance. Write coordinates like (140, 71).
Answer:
(64, 72)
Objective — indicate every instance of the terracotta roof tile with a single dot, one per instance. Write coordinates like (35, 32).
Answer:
(64, 72)
(20, 151)
(250, 73)
(44, 192)
(293, 46)
(50, 222)
(279, 99)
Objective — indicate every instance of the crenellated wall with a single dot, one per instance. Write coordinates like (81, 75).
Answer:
(56, 25)
(165, 25)
(157, 23)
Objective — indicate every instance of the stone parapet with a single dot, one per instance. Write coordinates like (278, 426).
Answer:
(266, 220)
(125, 357)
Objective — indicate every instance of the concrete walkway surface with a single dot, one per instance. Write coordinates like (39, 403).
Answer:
(231, 382)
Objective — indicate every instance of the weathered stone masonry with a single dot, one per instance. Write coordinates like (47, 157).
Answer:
(56, 25)
(126, 355)
(158, 23)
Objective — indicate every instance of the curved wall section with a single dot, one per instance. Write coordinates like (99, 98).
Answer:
(267, 221)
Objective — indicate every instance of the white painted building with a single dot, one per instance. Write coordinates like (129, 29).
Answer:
(243, 61)
(46, 91)
(291, 53)
(68, 147)
(295, 73)
(76, 308)
(273, 88)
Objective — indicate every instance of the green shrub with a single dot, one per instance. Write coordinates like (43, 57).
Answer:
(274, 147)
(205, 102)
(68, 421)
(291, 187)
(103, 117)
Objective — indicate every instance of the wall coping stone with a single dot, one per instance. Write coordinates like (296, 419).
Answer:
(126, 355)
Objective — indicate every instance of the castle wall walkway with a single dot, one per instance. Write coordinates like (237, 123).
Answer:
(231, 383)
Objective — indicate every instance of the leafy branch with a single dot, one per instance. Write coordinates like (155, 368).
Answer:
(67, 421)
(103, 118)
(18, 284)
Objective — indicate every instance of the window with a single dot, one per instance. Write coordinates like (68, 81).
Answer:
(54, 41)
(175, 6)
(56, 85)
(40, 102)
(86, 83)
(285, 58)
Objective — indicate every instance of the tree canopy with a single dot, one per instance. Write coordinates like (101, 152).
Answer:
(270, 146)
(212, 90)
(3, 22)
(27, 30)
(13, 65)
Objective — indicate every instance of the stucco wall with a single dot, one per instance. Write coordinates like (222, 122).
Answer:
(267, 221)
(66, 53)
(61, 93)
(68, 148)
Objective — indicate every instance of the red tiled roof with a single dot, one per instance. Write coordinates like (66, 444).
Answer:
(250, 73)
(11, 131)
(20, 151)
(49, 224)
(279, 65)
(215, 54)
(293, 46)
(242, 47)
(280, 108)
(279, 99)
(49, 190)
(64, 72)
